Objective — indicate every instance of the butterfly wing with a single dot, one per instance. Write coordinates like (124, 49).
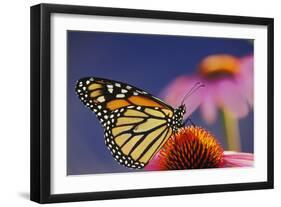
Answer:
(136, 124)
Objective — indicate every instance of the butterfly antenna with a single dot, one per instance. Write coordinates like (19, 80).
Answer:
(194, 88)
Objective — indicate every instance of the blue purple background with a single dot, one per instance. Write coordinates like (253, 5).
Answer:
(149, 62)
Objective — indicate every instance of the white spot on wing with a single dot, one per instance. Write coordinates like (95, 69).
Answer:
(101, 99)
(124, 91)
(120, 95)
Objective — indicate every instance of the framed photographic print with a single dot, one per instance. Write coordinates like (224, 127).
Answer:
(132, 103)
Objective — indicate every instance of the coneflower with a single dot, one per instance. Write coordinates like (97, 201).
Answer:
(193, 147)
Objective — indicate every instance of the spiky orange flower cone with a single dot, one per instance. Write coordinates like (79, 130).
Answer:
(190, 148)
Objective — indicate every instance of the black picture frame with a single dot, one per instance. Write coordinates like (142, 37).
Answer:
(41, 96)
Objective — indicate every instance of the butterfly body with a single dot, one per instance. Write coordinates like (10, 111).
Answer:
(136, 124)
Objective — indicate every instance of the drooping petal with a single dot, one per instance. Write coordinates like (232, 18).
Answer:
(208, 106)
(230, 97)
(238, 159)
(176, 91)
(245, 79)
(193, 101)
(154, 164)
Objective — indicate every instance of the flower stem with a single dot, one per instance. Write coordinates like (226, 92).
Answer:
(232, 131)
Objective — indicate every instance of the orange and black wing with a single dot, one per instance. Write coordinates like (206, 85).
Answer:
(135, 123)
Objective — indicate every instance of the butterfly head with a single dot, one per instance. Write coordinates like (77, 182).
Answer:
(182, 109)
(177, 120)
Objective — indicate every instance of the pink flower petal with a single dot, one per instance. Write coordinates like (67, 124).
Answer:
(238, 159)
(176, 91)
(245, 78)
(229, 96)
(153, 164)
(193, 101)
(208, 107)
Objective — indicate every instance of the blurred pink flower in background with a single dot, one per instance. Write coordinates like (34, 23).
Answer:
(229, 86)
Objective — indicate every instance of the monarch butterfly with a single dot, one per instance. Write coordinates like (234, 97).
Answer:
(136, 124)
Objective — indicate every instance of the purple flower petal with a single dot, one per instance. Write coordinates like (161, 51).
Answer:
(176, 91)
(238, 159)
(194, 100)
(245, 78)
(229, 96)
(153, 164)
(208, 107)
